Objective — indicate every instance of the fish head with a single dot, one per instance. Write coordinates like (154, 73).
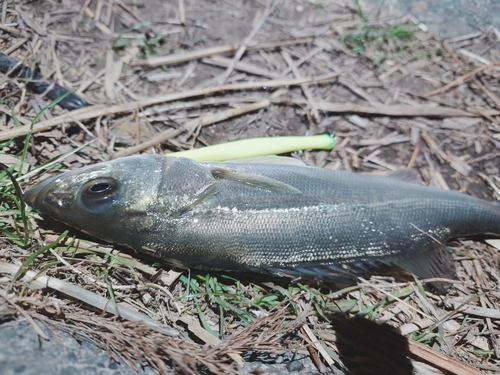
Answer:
(109, 200)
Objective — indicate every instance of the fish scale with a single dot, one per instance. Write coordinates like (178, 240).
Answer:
(268, 218)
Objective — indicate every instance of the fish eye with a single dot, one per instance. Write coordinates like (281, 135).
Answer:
(98, 195)
(100, 187)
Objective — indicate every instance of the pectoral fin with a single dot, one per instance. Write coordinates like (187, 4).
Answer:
(253, 179)
(185, 184)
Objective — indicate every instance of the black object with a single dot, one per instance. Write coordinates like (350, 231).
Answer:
(35, 83)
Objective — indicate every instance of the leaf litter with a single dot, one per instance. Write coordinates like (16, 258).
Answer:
(189, 74)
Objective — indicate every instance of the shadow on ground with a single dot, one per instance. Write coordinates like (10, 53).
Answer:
(366, 347)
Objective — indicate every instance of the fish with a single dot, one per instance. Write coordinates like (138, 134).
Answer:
(277, 219)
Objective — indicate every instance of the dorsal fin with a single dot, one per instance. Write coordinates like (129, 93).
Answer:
(270, 159)
(407, 175)
(253, 179)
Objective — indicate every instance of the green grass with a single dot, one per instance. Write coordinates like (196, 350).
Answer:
(155, 44)
(365, 36)
(13, 222)
(387, 38)
(12, 205)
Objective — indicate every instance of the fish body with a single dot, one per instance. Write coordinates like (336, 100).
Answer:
(278, 219)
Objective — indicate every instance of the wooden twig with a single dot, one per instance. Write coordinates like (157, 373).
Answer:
(384, 141)
(110, 76)
(211, 51)
(86, 296)
(188, 56)
(182, 12)
(15, 46)
(102, 27)
(191, 125)
(131, 11)
(474, 56)
(460, 79)
(459, 165)
(101, 110)
(490, 94)
(317, 344)
(30, 22)
(305, 88)
(20, 310)
(357, 90)
(243, 47)
(241, 66)
(303, 59)
(195, 327)
(440, 360)
(482, 312)
(11, 30)
(394, 110)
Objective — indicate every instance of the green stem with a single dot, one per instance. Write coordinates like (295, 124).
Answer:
(247, 148)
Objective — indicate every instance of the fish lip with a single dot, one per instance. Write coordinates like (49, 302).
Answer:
(31, 194)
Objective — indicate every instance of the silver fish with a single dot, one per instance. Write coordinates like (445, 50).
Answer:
(268, 218)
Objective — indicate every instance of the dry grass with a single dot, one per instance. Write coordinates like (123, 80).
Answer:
(394, 95)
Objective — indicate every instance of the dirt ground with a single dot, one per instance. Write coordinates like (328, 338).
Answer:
(153, 72)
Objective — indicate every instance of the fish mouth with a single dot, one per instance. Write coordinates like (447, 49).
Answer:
(36, 196)
(31, 195)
